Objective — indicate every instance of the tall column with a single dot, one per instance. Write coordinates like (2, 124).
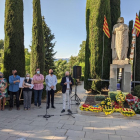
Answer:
(126, 78)
(113, 77)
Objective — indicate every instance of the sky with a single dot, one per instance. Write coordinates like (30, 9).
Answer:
(66, 19)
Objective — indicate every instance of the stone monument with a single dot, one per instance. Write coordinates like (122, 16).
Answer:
(119, 46)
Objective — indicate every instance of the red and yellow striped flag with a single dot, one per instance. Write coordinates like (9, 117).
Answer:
(137, 33)
(105, 28)
(137, 23)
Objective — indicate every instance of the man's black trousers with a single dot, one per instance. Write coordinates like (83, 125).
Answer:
(17, 98)
(50, 93)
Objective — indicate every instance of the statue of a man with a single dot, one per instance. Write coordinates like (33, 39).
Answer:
(120, 40)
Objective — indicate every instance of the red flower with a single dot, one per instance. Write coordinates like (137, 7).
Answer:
(129, 96)
(136, 105)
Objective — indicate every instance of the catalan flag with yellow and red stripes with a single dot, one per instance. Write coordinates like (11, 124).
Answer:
(137, 23)
(137, 33)
(106, 28)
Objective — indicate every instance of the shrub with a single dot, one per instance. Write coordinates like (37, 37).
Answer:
(74, 80)
(137, 91)
(58, 87)
(99, 97)
(82, 78)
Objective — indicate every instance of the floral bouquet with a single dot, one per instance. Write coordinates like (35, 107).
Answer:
(130, 99)
(96, 108)
(102, 103)
(108, 110)
(128, 112)
(85, 107)
(120, 98)
(136, 106)
(108, 102)
(116, 106)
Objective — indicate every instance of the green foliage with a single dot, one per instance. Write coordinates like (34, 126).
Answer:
(78, 60)
(73, 61)
(37, 48)
(137, 91)
(81, 54)
(82, 67)
(1, 59)
(112, 94)
(82, 78)
(14, 57)
(130, 37)
(61, 66)
(49, 47)
(137, 71)
(1, 44)
(87, 84)
(99, 97)
(27, 60)
(95, 11)
(115, 11)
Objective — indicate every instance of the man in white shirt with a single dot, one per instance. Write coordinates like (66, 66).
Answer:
(51, 81)
(66, 84)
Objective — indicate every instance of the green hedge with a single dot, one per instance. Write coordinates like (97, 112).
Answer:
(137, 91)
(99, 97)
(82, 78)
(112, 94)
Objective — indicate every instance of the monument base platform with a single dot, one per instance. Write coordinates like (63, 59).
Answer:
(126, 77)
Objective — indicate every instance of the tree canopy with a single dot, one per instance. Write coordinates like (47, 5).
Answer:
(49, 47)
(1, 44)
(14, 57)
(37, 48)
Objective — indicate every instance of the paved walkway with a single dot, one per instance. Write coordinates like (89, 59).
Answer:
(16, 124)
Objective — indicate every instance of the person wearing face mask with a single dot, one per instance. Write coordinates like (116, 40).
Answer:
(66, 84)
(27, 92)
(38, 80)
(14, 81)
(51, 81)
(3, 91)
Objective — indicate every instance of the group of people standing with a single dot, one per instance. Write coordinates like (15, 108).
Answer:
(37, 82)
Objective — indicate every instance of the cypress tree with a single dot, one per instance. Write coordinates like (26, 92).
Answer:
(95, 11)
(37, 48)
(115, 11)
(49, 47)
(87, 84)
(130, 37)
(137, 64)
(14, 57)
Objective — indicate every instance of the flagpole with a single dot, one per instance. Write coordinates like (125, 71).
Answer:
(135, 62)
(103, 57)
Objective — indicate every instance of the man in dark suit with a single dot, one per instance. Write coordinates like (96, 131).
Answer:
(66, 84)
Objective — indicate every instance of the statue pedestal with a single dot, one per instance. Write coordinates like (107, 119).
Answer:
(126, 76)
(120, 62)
